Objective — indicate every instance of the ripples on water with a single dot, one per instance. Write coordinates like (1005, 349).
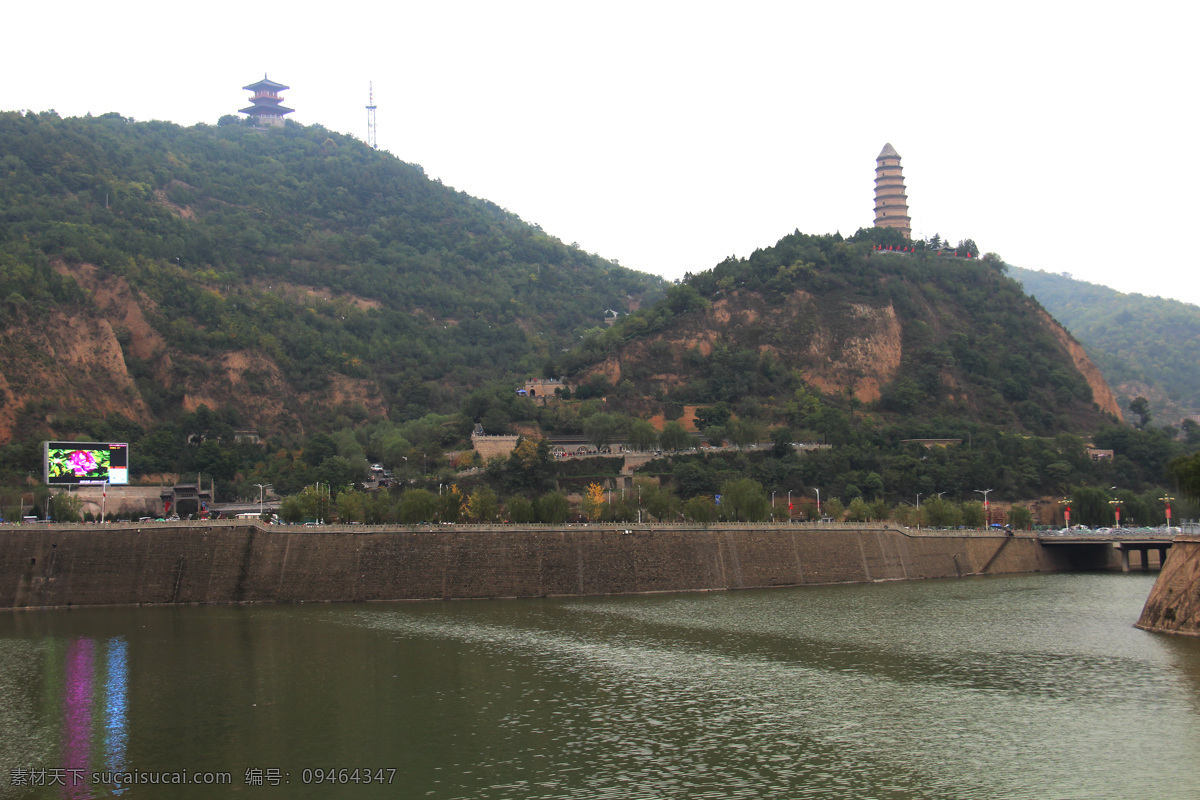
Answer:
(1023, 687)
(969, 689)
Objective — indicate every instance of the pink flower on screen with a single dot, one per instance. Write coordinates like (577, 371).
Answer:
(83, 462)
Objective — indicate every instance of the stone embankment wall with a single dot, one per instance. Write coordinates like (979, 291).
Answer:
(45, 566)
(1174, 602)
(497, 446)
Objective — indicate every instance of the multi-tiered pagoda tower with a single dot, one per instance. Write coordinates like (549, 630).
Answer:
(891, 203)
(266, 102)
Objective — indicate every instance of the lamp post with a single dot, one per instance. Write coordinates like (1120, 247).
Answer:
(1116, 504)
(987, 520)
(1066, 503)
(261, 487)
(1166, 498)
(818, 491)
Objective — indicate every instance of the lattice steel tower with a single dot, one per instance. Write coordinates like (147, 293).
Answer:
(371, 142)
(891, 203)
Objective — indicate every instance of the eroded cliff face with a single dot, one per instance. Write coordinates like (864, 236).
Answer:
(1102, 394)
(836, 348)
(863, 362)
(64, 363)
(57, 365)
(841, 345)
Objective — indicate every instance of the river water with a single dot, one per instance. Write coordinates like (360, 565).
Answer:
(1009, 687)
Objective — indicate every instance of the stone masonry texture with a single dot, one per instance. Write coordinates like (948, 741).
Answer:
(46, 566)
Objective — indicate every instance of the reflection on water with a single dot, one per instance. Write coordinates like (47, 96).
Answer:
(1022, 687)
(82, 686)
(116, 730)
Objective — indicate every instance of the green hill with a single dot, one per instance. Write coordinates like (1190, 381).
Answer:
(1146, 346)
(914, 338)
(930, 377)
(188, 290)
(286, 276)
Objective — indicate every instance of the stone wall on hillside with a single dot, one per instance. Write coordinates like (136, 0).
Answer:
(497, 446)
(46, 566)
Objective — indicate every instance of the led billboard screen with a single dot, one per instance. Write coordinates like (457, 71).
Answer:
(85, 463)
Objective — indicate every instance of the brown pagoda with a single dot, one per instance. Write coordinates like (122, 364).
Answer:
(265, 104)
(891, 203)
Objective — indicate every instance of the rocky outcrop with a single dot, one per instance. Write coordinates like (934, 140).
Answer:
(834, 346)
(1102, 395)
(63, 363)
(1174, 602)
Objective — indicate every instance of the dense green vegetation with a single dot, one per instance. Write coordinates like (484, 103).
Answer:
(298, 243)
(1147, 343)
(325, 258)
(974, 346)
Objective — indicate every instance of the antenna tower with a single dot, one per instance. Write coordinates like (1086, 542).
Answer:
(371, 141)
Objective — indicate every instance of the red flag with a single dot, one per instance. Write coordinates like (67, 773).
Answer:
(789, 506)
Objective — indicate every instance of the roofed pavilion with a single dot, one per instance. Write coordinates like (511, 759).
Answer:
(266, 102)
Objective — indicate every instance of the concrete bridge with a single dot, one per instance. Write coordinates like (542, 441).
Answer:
(1089, 546)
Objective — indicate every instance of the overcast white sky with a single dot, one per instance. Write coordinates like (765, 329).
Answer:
(669, 135)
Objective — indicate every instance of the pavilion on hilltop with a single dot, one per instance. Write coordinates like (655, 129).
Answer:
(265, 104)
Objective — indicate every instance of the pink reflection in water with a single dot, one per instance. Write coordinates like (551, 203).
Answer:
(78, 685)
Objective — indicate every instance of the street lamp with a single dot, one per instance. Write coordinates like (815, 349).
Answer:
(818, 491)
(987, 520)
(1116, 504)
(1166, 498)
(261, 487)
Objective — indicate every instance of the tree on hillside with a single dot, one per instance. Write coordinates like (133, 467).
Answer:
(452, 504)
(603, 429)
(552, 508)
(1191, 432)
(642, 435)
(973, 515)
(700, 509)
(658, 501)
(418, 505)
(593, 501)
(482, 505)
(675, 437)
(1186, 472)
(834, 509)
(743, 432)
(711, 416)
(1020, 518)
(520, 509)
(1141, 406)
(744, 500)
